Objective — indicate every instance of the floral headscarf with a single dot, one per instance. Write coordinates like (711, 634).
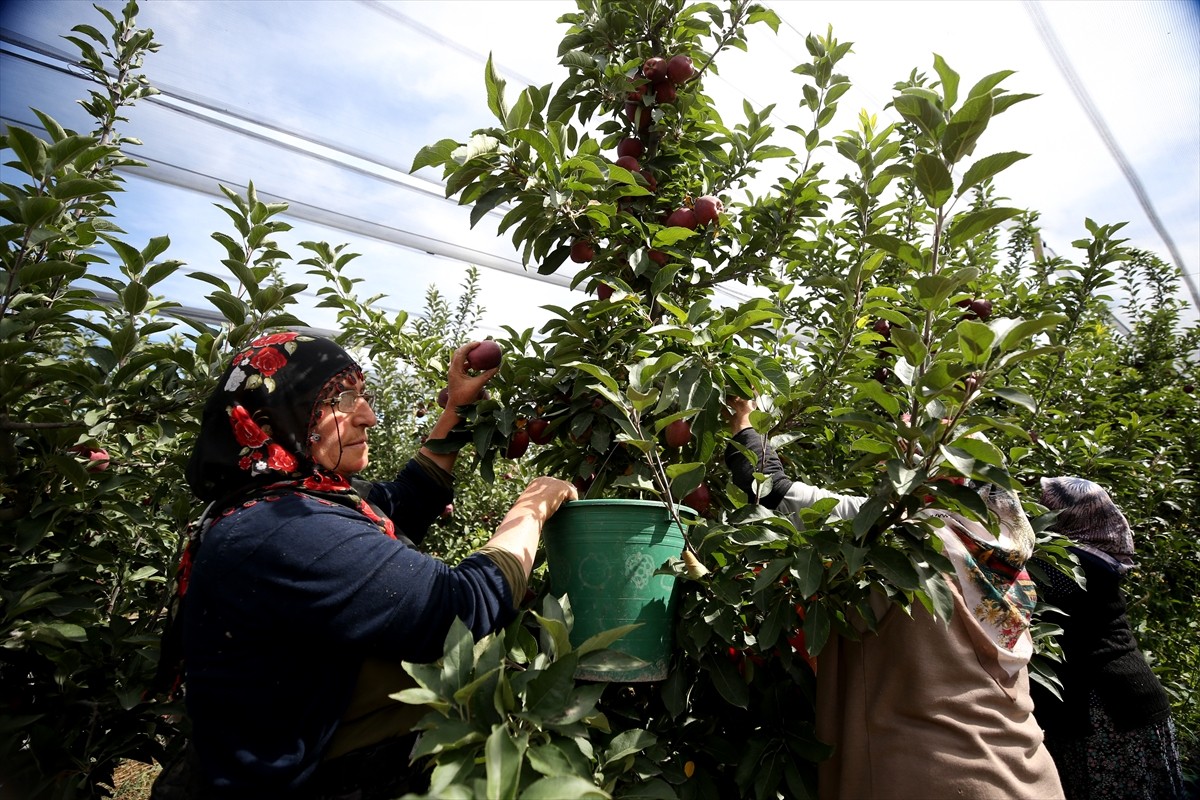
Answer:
(1090, 519)
(255, 427)
(994, 583)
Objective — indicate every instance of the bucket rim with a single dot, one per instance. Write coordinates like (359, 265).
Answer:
(623, 501)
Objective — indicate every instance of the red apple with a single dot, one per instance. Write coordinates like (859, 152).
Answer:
(707, 209)
(443, 396)
(679, 69)
(639, 115)
(882, 374)
(654, 68)
(448, 510)
(630, 146)
(604, 291)
(659, 257)
(628, 162)
(651, 181)
(883, 328)
(664, 92)
(682, 218)
(97, 457)
(517, 445)
(981, 308)
(699, 499)
(538, 432)
(485, 356)
(582, 251)
(678, 433)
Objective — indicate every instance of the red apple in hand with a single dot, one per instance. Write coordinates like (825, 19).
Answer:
(707, 209)
(678, 433)
(485, 356)
(582, 251)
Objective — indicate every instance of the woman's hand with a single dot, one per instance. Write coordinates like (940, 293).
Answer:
(521, 527)
(463, 387)
(738, 412)
(543, 496)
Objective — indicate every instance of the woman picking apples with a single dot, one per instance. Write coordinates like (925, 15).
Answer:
(301, 589)
(920, 707)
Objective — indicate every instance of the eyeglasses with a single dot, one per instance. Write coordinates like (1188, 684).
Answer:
(347, 401)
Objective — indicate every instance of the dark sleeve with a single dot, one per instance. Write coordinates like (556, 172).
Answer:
(327, 574)
(415, 498)
(768, 464)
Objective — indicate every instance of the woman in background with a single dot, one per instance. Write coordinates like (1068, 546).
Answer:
(1111, 734)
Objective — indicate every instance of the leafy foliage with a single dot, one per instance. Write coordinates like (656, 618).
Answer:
(905, 327)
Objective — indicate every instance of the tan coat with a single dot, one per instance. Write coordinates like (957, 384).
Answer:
(951, 730)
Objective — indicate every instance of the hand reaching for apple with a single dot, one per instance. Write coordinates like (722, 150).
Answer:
(462, 387)
(738, 411)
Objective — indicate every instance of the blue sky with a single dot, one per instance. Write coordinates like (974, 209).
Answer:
(382, 79)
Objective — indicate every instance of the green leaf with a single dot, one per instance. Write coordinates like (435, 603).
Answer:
(602, 640)
(817, 627)
(932, 179)
(989, 82)
(495, 90)
(547, 693)
(965, 128)
(987, 167)
(896, 567)
(540, 144)
(1019, 333)
(601, 375)
(970, 224)
(628, 743)
(897, 247)
(504, 755)
(458, 660)
(564, 787)
(949, 80)
(808, 571)
(673, 235)
(1016, 397)
(975, 340)
(41, 271)
(920, 112)
(731, 686)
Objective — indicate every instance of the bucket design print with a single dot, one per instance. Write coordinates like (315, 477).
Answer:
(603, 555)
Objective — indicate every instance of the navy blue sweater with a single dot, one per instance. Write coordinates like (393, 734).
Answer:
(288, 596)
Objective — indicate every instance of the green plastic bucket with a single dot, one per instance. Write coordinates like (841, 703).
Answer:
(603, 554)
